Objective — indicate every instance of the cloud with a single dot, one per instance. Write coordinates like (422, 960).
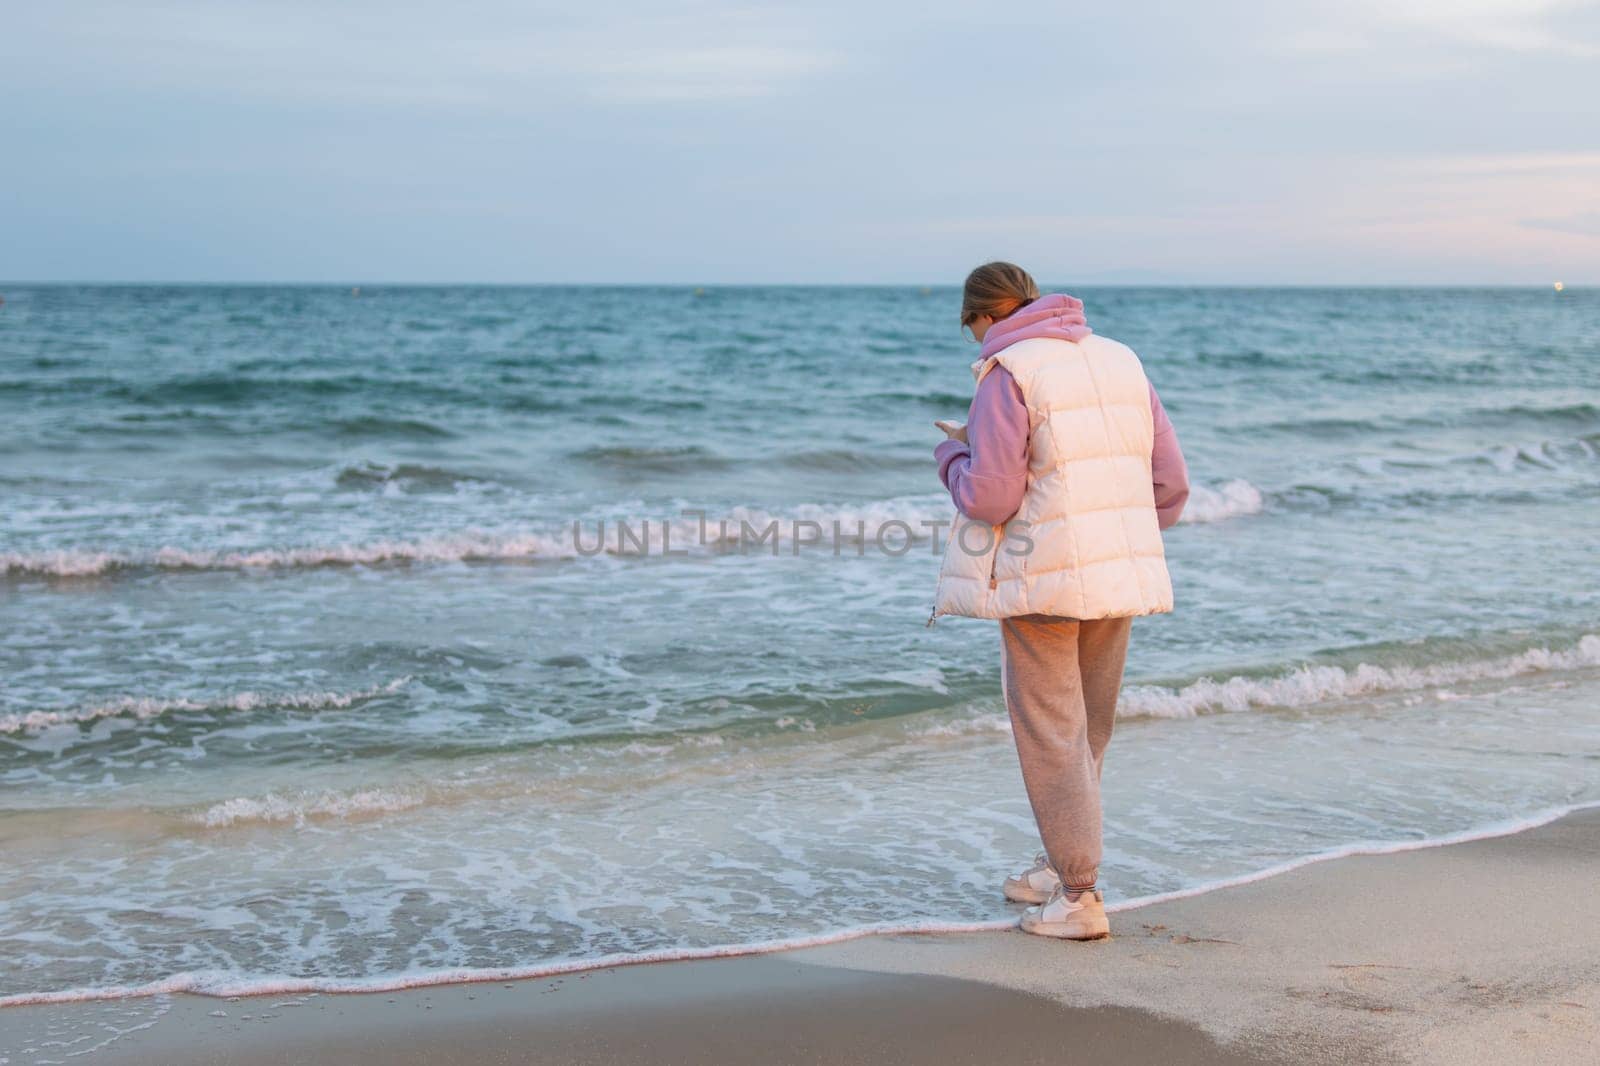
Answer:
(505, 56)
(1583, 224)
(535, 140)
(1514, 25)
(1512, 163)
(688, 73)
(1552, 27)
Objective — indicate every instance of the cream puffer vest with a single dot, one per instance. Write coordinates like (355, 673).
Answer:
(1085, 543)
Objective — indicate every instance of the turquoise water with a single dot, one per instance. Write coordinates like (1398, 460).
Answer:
(307, 672)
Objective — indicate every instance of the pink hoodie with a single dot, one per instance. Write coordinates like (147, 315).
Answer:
(988, 476)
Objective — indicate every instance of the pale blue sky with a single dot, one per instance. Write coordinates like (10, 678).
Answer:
(1361, 141)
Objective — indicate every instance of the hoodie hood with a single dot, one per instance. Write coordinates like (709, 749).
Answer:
(1058, 316)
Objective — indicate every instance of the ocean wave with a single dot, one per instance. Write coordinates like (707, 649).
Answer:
(954, 402)
(221, 984)
(142, 707)
(851, 460)
(890, 523)
(466, 547)
(969, 726)
(412, 475)
(1530, 472)
(1248, 358)
(1576, 415)
(754, 529)
(1544, 455)
(1305, 686)
(1312, 684)
(301, 807)
(236, 388)
(665, 460)
(1565, 413)
(1509, 457)
(379, 426)
(1231, 499)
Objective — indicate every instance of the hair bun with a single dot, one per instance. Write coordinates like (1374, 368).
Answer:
(993, 287)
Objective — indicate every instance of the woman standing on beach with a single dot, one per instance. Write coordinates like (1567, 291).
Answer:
(1064, 475)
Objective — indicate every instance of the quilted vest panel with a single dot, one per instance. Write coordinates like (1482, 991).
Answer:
(1085, 543)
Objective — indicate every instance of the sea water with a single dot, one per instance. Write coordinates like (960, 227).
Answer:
(311, 675)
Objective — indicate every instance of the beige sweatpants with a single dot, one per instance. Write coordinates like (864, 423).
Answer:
(1061, 678)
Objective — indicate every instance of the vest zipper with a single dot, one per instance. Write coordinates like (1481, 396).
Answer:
(994, 560)
(933, 612)
(994, 565)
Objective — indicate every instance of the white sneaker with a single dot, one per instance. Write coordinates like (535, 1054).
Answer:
(1065, 918)
(1034, 884)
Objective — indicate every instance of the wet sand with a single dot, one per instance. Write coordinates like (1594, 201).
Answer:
(1487, 951)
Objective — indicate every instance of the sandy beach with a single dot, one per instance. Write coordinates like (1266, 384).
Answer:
(1485, 951)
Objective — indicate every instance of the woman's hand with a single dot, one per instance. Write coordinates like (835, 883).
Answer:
(953, 430)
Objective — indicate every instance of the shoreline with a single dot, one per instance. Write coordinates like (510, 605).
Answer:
(1463, 950)
(192, 985)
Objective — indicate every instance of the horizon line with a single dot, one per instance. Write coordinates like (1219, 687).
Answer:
(359, 284)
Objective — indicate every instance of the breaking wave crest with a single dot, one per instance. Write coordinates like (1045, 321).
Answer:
(301, 807)
(1310, 685)
(1540, 455)
(889, 523)
(463, 548)
(646, 533)
(1305, 686)
(1231, 499)
(148, 707)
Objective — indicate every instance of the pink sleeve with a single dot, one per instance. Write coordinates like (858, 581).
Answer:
(1169, 474)
(988, 476)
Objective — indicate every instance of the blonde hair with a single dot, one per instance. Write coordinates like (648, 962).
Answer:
(997, 290)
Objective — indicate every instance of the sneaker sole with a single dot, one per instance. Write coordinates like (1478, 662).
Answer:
(1017, 892)
(1065, 932)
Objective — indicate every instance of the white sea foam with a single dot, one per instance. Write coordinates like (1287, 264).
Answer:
(1307, 686)
(1311, 685)
(971, 725)
(1545, 454)
(1231, 499)
(815, 526)
(465, 547)
(301, 807)
(108, 1026)
(151, 707)
(890, 525)
(222, 985)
